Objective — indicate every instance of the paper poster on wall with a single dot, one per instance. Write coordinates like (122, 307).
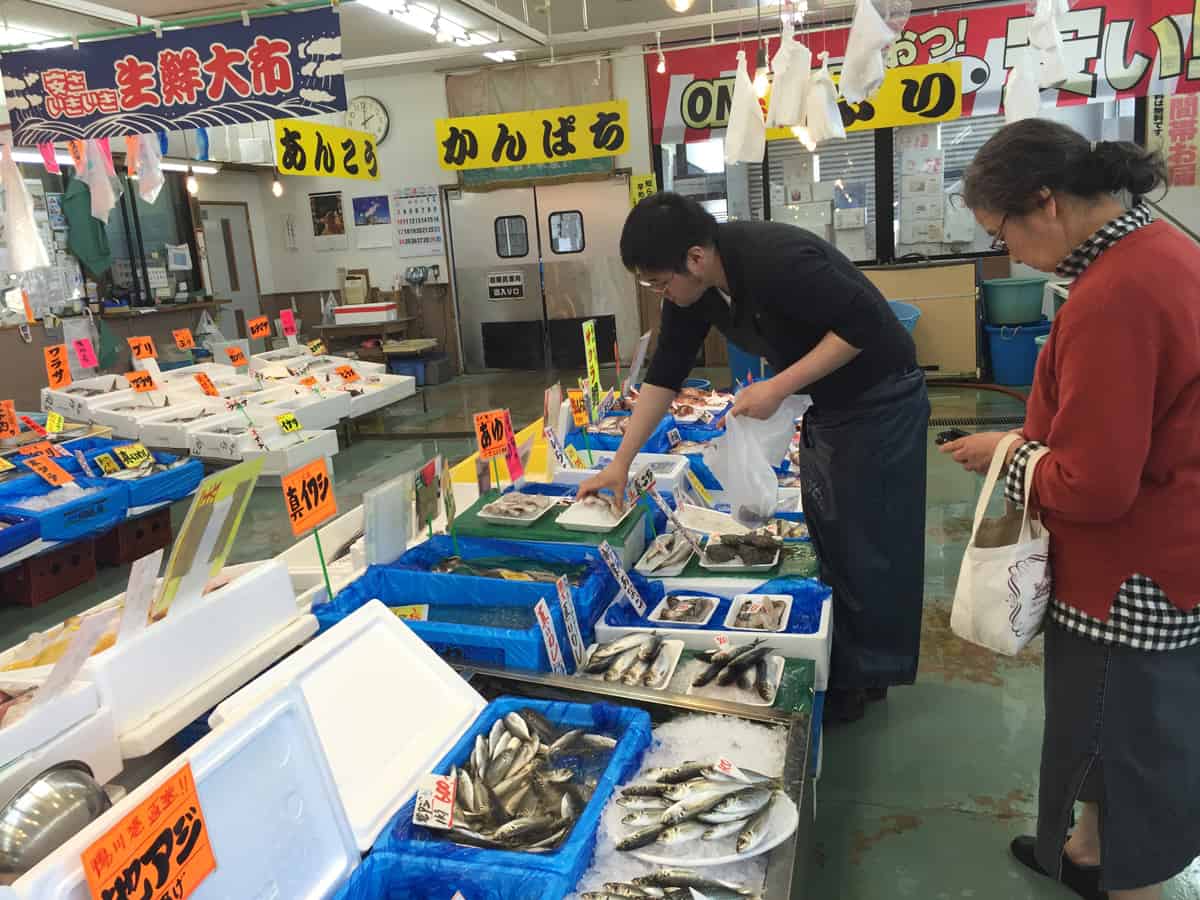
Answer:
(372, 221)
(417, 218)
(54, 210)
(179, 257)
(289, 232)
(328, 221)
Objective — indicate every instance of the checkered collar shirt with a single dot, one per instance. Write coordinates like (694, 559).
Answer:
(1108, 234)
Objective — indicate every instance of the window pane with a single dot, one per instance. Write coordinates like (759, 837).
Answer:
(930, 162)
(160, 224)
(698, 170)
(830, 192)
(512, 238)
(566, 232)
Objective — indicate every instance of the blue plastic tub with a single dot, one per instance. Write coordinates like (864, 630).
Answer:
(20, 531)
(906, 313)
(408, 581)
(657, 442)
(395, 876)
(414, 368)
(1014, 352)
(630, 726)
(700, 384)
(808, 596)
(81, 518)
(742, 364)
(164, 487)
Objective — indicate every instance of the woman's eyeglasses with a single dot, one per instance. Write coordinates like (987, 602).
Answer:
(998, 242)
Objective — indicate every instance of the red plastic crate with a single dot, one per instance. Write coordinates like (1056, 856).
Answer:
(44, 577)
(134, 539)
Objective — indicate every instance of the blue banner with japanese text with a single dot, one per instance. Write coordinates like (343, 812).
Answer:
(284, 66)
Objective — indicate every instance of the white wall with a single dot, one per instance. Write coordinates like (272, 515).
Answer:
(629, 83)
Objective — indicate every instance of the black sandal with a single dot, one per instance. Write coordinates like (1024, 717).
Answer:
(1083, 880)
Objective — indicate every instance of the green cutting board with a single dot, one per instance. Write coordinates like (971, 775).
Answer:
(545, 530)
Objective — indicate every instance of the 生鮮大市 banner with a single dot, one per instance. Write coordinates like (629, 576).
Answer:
(276, 67)
(1114, 49)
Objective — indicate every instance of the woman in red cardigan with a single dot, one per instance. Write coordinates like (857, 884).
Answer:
(1116, 399)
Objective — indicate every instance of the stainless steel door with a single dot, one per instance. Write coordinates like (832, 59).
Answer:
(495, 257)
(582, 274)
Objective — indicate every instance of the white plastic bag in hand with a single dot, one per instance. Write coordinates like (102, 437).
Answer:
(824, 117)
(1021, 97)
(25, 248)
(746, 134)
(792, 66)
(745, 457)
(863, 68)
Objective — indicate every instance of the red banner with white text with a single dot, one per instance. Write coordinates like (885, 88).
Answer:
(1115, 49)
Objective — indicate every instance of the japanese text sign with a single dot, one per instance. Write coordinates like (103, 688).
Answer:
(309, 381)
(141, 381)
(54, 422)
(259, 327)
(85, 353)
(1174, 131)
(58, 372)
(183, 338)
(534, 137)
(556, 447)
(512, 456)
(434, 806)
(288, 422)
(142, 348)
(313, 148)
(9, 428)
(592, 358)
(641, 187)
(347, 373)
(490, 433)
(51, 472)
(5, 465)
(541, 612)
(236, 356)
(316, 348)
(578, 408)
(107, 464)
(133, 455)
(38, 448)
(280, 67)
(308, 494)
(567, 604)
(287, 320)
(33, 426)
(206, 384)
(574, 458)
(623, 580)
(160, 849)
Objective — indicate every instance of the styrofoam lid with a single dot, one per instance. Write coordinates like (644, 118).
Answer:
(41, 724)
(274, 818)
(386, 707)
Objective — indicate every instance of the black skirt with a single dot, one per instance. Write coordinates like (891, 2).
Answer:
(1122, 730)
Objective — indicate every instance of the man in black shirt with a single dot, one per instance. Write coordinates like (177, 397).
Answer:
(782, 293)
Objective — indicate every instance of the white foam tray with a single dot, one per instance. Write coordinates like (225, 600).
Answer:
(670, 471)
(814, 646)
(128, 423)
(72, 727)
(146, 676)
(302, 555)
(313, 410)
(276, 823)
(379, 390)
(73, 406)
(363, 367)
(349, 677)
(282, 355)
(156, 431)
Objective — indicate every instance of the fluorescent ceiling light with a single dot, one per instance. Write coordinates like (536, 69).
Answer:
(64, 159)
(426, 19)
(501, 56)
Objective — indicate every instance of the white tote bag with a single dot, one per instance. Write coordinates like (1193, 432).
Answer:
(746, 132)
(1004, 583)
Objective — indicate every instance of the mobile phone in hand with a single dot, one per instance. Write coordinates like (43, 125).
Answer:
(952, 434)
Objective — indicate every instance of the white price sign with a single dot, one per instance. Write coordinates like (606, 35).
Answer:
(623, 581)
(674, 437)
(609, 401)
(435, 802)
(560, 455)
(670, 514)
(546, 624)
(639, 357)
(726, 767)
(571, 620)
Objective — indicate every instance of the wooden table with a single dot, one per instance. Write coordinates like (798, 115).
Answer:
(379, 330)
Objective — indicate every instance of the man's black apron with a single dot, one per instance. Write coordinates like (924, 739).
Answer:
(863, 472)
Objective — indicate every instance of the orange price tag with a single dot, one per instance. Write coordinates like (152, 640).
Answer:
(51, 472)
(37, 449)
(206, 385)
(33, 426)
(310, 381)
(489, 433)
(183, 338)
(578, 408)
(142, 348)
(141, 381)
(308, 494)
(28, 309)
(259, 327)
(58, 371)
(9, 427)
(347, 373)
(161, 848)
(236, 356)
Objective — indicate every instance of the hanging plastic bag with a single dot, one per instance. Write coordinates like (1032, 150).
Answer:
(863, 69)
(150, 176)
(793, 73)
(1021, 97)
(745, 457)
(746, 134)
(823, 116)
(25, 248)
(96, 177)
(1044, 34)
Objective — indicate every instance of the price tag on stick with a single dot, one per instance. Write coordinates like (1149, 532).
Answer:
(85, 353)
(571, 620)
(141, 381)
(348, 374)
(52, 473)
(578, 408)
(541, 612)
(308, 494)
(259, 327)
(58, 371)
(434, 807)
(288, 422)
(236, 356)
(107, 464)
(183, 339)
(623, 580)
(206, 385)
(489, 433)
(54, 422)
(33, 426)
(9, 427)
(133, 455)
(287, 319)
(142, 348)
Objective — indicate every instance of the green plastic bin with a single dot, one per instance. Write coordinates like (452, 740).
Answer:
(1013, 301)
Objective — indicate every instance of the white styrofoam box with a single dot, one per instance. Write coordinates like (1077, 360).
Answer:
(75, 405)
(387, 708)
(283, 354)
(276, 823)
(314, 444)
(335, 534)
(164, 430)
(814, 646)
(140, 676)
(670, 472)
(124, 413)
(328, 361)
(186, 375)
(365, 313)
(378, 391)
(313, 410)
(71, 727)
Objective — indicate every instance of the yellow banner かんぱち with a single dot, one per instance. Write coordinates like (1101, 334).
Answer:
(534, 137)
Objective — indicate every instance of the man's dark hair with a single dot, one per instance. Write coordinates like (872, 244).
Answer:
(661, 229)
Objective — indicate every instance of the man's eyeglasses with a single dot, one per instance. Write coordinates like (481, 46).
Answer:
(658, 285)
(998, 242)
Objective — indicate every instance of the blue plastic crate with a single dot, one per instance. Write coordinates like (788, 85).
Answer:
(395, 876)
(414, 368)
(20, 531)
(574, 855)
(90, 515)
(656, 443)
